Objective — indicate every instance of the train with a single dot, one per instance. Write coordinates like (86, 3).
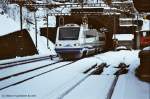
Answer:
(76, 41)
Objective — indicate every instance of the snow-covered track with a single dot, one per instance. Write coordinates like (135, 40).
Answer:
(92, 70)
(26, 71)
(122, 70)
(24, 61)
(33, 75)
(110, 93)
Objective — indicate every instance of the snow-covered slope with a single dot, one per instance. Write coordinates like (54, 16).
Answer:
(7, 25)
(10, 22)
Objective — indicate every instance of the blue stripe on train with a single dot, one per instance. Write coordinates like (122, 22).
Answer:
(66, 50)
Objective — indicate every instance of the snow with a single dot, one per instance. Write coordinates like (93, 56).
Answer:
(21, 59)
(94, 87)
(7, 25)
(22, 68)
(48, 82)
(121, 47)
(146, 25)
(15, 79)
(123, 37)
(57, 83)
(6, 22)
(130, 87)
(52, 85)
(146, 48)
(119, 56)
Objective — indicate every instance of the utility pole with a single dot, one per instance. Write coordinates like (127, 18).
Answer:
(114, 26)
(47, 33)
(19, 39)
(137, 33)
(36, 32)
(114, 31)
(47, 29)
(21, 17)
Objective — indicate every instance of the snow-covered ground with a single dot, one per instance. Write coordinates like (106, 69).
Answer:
(54, 84)
(94, 87)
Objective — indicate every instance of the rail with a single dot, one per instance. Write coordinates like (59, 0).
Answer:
(29, 78)
(24, 61)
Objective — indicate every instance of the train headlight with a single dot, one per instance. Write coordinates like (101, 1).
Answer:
(58, 45)
(77, 44)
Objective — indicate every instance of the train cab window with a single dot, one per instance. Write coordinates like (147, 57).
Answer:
(69, 33)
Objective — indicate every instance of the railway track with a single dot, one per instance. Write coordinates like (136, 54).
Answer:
(2, 80)
(24, 61)
(94, 70)
(4, 66)
(122, 70)
(27, 71)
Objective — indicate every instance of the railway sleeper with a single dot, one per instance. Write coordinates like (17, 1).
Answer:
(96, 69)
(123, 69)
(122, 65)
(99, 69)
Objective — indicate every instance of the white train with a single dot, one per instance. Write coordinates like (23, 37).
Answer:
(74, 41)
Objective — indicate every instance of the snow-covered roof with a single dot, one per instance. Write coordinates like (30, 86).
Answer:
(128, 25)
(146, 25)
(123, 37)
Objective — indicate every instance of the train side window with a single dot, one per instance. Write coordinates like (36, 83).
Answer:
(90, 34)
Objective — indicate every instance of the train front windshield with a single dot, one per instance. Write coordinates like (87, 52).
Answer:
(69, 33)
